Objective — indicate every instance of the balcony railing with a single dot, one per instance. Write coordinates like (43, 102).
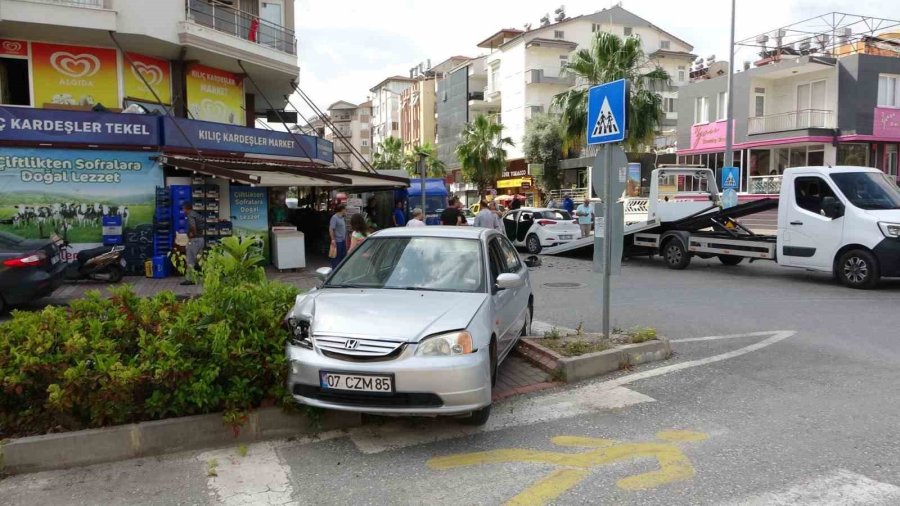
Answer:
(476, 95)
(538, 76)
(93, 4)
(764, 185)
(225, 18)
(793, 120)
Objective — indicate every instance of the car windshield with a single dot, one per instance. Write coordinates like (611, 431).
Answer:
(555, 215)
(440, 264)
(868, 190)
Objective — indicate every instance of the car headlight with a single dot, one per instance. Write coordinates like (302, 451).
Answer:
(890, 229)
(446, 345)
(298, 332)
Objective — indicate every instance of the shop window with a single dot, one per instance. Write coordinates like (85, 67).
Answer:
(892, 160)
(853, 154)
(815, 157)
(14, 89)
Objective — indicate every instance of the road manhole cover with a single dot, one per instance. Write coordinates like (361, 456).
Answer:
(563, 284)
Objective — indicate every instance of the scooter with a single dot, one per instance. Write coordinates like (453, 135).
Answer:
(103, 263)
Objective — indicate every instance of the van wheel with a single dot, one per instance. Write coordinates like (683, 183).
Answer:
(479, 417)
(533, 244)
(675, 255)
(858, 269)
(730, 259)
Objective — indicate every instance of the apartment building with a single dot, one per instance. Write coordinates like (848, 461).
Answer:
(799, 106)
(386, 107)
(418, 110)
(352, 127)
(524, 69)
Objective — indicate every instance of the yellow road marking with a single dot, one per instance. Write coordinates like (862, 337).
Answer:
(575, 467)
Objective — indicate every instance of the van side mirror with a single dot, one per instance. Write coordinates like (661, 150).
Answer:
(323, 272)
(832, 207)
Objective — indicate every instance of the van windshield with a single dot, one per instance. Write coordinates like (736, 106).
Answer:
(868, 190)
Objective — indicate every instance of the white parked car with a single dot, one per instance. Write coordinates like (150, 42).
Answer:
(538, 228)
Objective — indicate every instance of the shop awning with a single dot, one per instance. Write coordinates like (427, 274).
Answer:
(269, 173)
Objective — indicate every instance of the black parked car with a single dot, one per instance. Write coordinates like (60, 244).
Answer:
(29, 269)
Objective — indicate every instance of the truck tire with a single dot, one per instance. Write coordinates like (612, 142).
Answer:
(675, 255)
(858, 269)
(730, 259)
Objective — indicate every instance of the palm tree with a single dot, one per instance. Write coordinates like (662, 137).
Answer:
(388, 155)
(482, 151)
(610, 58)
(433, 166)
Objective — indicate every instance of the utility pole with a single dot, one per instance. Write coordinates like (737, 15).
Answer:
(729, 115)
(421, 162)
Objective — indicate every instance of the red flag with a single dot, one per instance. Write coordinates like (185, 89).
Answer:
(254, 30)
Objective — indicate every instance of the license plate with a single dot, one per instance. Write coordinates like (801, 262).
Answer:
(565, 237)
(356, 382)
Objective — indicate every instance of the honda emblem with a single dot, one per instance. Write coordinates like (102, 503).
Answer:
(351, 344)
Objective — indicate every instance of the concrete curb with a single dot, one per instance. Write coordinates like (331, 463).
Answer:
(573, 369)
(95, 446)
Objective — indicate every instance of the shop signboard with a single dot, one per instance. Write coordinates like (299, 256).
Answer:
(71, 191)
(208, 136)
(324, 150)
(13, 48)
(250, 213)
(633, 185)
(155, 71)
(709, 135)
(887, 122)
(74, 75)
(22, 124)
(215, 95)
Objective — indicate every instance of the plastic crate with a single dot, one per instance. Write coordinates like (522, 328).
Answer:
(160, 266)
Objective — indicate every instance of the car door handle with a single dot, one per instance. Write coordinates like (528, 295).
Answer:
(797, 223)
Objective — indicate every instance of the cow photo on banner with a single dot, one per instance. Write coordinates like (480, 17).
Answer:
(68, 192)
(74, 75)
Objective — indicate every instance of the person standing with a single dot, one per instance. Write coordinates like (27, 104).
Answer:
(486, 218)
(399, 217)
(360, 231)
(337, 229)
(516, 203)
(418, 218)
(451, 216)
(568, 204)
(585, 217)
(551, 204)
(196, 242)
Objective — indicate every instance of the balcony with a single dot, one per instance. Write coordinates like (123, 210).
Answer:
(69, 18)
(764, 185)
(793, 120)
(539, 76)
(491, 94)
(476, 95)
(244, 25)
(94, 4)
(533, 110)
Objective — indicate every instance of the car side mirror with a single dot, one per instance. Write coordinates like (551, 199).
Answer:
(508, 280)
(533, 261)
(323, 272)
(832, 207)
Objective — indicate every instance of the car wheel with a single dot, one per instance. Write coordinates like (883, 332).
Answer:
(533, 244)
(858, 269)
(675, 255)
(730, 259)
(526, 328)
(479, 417)
(493, 350)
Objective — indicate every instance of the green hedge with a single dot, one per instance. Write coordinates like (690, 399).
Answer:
(105, 361)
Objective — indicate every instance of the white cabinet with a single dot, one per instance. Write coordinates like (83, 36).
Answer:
(288, 249)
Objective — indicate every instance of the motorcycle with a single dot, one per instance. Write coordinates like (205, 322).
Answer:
(103, 263)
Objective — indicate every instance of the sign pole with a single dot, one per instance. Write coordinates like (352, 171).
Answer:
(421, 162)
(607, 235)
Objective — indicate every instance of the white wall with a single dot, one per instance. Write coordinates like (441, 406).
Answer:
(781, 94)
(512, 96)
(158, 19)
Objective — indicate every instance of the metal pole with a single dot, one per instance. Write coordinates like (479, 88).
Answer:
(607, 235)
(729, 133)
(421, 162)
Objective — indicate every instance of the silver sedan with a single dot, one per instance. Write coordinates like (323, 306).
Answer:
(415, 321)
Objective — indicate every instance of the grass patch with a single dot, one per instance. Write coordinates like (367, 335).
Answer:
(212, 467)
(242, 450)
(641, 334)
(577, 347)
(553, 333)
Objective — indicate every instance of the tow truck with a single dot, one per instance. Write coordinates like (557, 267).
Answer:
(841, 220)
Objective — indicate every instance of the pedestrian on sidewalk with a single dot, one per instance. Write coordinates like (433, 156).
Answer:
(337, 229)
(418, 218)
(568, 204)
(585, 216)
(452, 216)
(195, 244)
(486, 218)
(360, 231)
(399, 217)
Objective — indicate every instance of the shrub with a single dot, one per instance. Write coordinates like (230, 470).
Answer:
(641, 334)
(125, 359)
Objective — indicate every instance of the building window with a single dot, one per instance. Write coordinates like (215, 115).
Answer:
(596, 28)
(364, 143)
(721, 105)
(628, 31)
(563, 62)
(559, 34)
(665, 44)
(892, 160)
(888, 90)
(681, 71)
(669, 105)
(759, 105)
(701, 110)
(14, 86)
(493, 84)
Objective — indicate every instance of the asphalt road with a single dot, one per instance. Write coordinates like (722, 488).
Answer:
(802, 411)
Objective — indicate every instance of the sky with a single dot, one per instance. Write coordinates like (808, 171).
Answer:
(348, 46)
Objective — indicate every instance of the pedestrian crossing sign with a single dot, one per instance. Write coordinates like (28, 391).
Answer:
(607, 112)
(731, 178)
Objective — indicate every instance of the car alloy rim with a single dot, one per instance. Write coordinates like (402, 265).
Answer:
(856, 269)
(533, 243)
(674, 255)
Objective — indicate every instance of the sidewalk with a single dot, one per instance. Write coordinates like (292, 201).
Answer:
(303, 279)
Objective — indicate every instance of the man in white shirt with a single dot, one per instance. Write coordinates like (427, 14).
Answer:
(487, 218)
(585, 216)
(418, 218)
